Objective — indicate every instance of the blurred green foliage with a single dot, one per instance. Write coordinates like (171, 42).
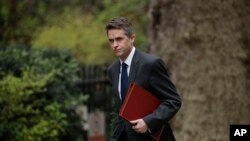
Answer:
(77, 25)
(81, 34)
(19, 19)
(38, 93)
(25, 115)
(84, 34)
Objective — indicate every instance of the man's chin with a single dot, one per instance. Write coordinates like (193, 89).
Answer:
(118, 55)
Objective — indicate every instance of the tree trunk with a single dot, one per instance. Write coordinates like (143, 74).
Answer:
(206, 46)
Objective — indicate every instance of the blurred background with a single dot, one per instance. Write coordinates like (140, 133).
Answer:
(54, 55)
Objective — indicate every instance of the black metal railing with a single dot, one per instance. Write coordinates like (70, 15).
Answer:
(96, 85)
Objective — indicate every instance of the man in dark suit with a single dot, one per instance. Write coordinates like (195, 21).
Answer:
(147, 71)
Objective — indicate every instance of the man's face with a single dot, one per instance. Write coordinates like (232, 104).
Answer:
(120, 43)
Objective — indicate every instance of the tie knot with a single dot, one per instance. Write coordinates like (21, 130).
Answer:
(124, 65)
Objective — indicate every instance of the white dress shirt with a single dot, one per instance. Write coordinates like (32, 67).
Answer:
(128, 61)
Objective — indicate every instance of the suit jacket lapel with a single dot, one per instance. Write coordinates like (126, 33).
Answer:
(132, 73)
(116, 78)
(134, 66)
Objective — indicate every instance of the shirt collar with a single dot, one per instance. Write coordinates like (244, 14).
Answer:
(128, 60)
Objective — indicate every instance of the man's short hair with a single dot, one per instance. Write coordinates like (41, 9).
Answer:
(120, 23)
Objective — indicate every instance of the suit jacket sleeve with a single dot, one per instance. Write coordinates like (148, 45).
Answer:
(161, 86)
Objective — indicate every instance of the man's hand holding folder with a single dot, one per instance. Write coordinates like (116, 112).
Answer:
(139, 126)
(138, 104)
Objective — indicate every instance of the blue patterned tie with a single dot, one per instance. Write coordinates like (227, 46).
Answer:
(124, 81)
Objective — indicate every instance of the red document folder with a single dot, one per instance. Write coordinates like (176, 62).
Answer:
(139, 103)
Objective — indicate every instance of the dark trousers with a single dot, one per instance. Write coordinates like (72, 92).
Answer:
(123, 136)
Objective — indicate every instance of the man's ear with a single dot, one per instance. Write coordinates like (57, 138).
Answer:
(132, 38)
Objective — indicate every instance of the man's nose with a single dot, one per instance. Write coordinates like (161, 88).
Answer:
(115, 43)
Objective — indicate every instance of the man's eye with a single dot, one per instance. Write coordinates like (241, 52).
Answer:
(118, 39)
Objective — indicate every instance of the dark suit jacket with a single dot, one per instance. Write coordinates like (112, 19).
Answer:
(149, 72)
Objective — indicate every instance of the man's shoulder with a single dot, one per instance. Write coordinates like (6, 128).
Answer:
(147, 57)
(112, 66)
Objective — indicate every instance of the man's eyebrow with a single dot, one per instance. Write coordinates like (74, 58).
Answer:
(117, 38)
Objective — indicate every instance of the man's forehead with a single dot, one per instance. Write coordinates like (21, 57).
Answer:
(121, 31)
(116, 33)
